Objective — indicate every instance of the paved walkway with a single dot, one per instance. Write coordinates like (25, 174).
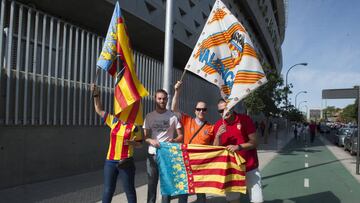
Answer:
(309, 173)
(283, 169)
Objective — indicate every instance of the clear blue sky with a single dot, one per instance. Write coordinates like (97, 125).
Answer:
(326, 35)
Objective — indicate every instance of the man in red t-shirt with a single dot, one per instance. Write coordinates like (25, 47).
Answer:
(237, 132)
(312, 129)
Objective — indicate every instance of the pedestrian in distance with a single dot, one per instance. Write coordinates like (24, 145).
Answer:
(119, 160)
(312, 131)
(270, 127)
(237, 132)
(275, 129)
(160, 125)
(196, 130)
(262, 128)
(295, 131)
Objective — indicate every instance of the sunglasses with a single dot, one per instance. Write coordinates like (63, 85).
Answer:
(201, 109)
(221, 111)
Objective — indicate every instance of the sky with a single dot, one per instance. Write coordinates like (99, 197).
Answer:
(326, 35)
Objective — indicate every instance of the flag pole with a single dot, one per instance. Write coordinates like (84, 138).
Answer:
(183, 74)
(96, 75)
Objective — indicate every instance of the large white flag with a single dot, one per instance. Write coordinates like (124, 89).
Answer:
(224, 55)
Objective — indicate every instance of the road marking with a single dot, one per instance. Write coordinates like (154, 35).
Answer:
(306, 155)
(306, 165)
(306, 182)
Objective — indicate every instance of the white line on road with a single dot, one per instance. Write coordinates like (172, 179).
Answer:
(306, 155)
(306, 182)
(306, 165)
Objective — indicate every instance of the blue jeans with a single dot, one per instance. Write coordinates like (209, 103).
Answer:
(153, 178)
(127, 176)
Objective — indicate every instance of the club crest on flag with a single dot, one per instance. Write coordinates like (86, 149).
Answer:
(225, 56)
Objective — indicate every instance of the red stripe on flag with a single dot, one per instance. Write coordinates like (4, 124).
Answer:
(112, 70)
(130, 82)
(134, 111)
(127, 136)
(215, 159)
(190, 150)
(223, 172)
(120, 97)
(219, 185)
(113, 141)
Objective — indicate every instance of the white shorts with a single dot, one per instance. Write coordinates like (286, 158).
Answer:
(253, 184)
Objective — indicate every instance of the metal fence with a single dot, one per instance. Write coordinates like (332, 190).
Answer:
(46, 66)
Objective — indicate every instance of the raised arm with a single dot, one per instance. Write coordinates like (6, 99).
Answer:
(97, 103)
(175, 100)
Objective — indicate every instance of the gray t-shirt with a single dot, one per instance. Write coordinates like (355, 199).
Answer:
(162, 126)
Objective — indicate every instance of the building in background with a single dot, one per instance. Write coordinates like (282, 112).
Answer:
(48, 52)
(315, 114)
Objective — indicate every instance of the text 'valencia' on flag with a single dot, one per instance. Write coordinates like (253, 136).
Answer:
(225, 56)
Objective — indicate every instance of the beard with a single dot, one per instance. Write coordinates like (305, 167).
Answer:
(161, 106)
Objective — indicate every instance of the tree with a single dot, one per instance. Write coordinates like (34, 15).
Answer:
(349, 113)
(330, 111)
(267, 98)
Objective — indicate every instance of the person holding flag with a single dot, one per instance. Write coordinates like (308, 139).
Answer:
(117, 59)
(196, 130)
(237, 132)
(124, 136)
(160, 125)
(225, 56)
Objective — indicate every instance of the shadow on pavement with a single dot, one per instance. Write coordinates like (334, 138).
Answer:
(327, 197)
(295, 146)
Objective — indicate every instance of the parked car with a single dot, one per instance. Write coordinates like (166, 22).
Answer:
(350, 142)
(340, 135)
(324, 128)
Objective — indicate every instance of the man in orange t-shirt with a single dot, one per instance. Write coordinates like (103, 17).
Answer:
(196, 130)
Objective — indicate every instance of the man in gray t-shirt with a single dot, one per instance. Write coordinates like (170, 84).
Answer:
(159, 126)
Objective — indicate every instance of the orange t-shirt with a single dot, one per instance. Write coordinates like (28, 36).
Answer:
(204, 137)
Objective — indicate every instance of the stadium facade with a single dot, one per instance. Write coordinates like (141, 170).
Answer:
(48, 52)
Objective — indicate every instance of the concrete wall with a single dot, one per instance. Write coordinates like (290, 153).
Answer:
(32, 154)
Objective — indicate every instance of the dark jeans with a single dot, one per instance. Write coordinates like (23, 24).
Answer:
(312, 137)
(200, 198)
(127, 176)
(153, 178)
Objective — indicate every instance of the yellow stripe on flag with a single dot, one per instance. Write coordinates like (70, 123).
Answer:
(214, 165)
(218, 177)
(212, 190)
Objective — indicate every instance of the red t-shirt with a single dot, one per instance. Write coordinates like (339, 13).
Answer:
(237, 133)
(312, 128)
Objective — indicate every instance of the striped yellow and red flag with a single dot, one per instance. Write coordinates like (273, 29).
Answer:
(189, 169)
(117, 59)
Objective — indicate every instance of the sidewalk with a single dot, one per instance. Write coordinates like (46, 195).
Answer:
(88, 187)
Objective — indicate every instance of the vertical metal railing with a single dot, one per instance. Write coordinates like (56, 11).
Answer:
(46, 66)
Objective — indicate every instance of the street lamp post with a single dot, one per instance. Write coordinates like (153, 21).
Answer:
(306, 111)
(298, 94)
(286, 81)
(301, 103)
